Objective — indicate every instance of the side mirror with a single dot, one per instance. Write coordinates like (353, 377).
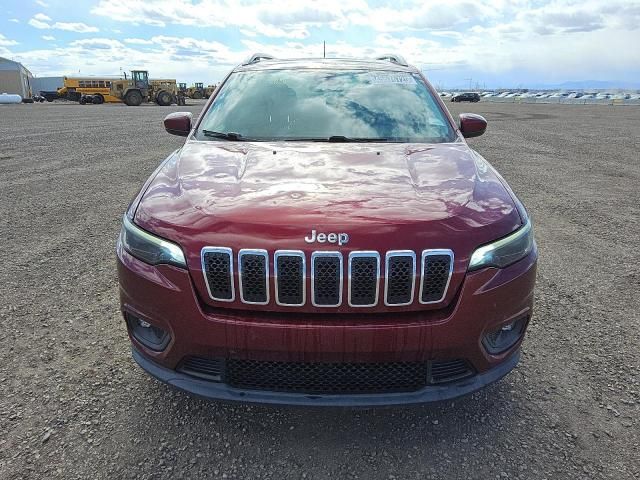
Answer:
(472, 125)
(178, 123)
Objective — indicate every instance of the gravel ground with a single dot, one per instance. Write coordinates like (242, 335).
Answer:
(74, 405)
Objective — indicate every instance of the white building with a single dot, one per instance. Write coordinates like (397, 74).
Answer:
(15, 78)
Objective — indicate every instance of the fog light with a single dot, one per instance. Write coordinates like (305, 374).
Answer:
(151, 336)
(504, 337)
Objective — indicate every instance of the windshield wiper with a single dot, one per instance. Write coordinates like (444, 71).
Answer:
(227, 136)
(342, 138)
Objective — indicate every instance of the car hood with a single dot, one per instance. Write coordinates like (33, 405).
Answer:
(271, 195)
(208, 183)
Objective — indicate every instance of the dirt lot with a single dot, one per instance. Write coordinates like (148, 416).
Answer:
(74, 405)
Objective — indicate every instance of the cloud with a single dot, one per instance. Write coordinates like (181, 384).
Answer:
(48, 38)
(75, 27)
(5, 42)
(278, 18)
(540, 40)
(138, 41)
(39, 24)
(14, 20)
(42, 3)
(43, 22)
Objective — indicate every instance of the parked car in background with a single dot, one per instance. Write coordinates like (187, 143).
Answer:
(466, 97)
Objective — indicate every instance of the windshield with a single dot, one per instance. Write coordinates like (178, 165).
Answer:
(324, 105)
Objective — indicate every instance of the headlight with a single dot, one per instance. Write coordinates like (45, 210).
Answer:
(149, 248)
(505, 251)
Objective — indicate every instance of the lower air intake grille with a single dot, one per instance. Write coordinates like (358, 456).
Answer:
(443, 371)
(436, 271)
(327, 378)
(205, 368)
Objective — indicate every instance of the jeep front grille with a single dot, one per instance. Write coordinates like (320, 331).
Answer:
(327, 277)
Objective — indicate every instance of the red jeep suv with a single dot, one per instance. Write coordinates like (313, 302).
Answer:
(325, 236)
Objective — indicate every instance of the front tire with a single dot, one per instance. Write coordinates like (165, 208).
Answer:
(133, 98)
(163, 98)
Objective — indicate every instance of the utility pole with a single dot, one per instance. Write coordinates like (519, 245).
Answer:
(324, 49)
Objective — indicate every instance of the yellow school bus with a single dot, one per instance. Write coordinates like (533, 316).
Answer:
(76, 86)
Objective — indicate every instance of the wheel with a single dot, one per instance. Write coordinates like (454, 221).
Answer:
(163, 98)
(196, 95)
(133, 98)
(83, 100)
(98, 99)
(49, 98)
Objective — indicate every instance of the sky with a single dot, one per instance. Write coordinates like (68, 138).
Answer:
(457, 43)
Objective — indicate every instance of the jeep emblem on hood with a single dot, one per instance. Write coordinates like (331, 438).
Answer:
(339, 238)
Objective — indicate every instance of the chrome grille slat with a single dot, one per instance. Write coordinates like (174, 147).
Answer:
(435, 273)
(327, 277)
(290, 277)
(217, 266)
(364, 278)
(399, 276)
(253, 276)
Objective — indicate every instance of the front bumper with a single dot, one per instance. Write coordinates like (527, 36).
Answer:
(221, 391)
(164, 296)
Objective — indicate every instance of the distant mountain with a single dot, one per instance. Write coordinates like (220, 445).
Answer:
(587, 85)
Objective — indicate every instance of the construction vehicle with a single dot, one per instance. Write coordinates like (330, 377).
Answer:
(137, 89)
(182, 88)
(196, 92)
(209, 90)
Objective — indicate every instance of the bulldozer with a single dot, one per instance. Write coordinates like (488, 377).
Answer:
(137, 89)
(196, 92)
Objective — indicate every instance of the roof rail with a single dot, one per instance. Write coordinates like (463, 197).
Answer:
(393, 58)
(256, 57)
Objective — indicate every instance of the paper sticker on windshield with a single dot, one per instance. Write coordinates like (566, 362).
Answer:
(384, 78)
